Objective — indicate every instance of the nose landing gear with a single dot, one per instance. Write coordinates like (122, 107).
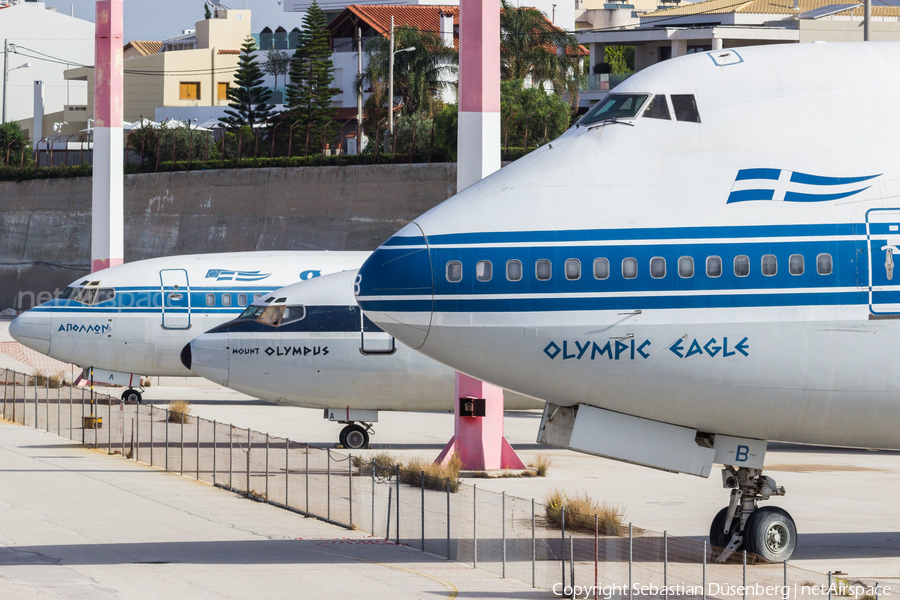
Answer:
(768, 532)
(355, 436)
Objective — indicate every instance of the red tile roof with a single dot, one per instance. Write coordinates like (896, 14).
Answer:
(229, 51)
(144, 47)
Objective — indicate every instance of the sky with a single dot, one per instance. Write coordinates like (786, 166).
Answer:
(161, 19)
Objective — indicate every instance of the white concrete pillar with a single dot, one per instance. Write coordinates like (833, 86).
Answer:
(37, 127)
(679, 48)
(107, 221)
(598, 54)
(479, 91)
(716, 43)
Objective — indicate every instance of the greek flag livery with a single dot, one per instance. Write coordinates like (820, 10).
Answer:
(782, 185)
(227, 275)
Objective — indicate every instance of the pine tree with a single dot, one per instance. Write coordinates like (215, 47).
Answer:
(248, 98)
(206, 12)
(309, 95)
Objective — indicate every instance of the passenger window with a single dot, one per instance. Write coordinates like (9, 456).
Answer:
(658, 109)
(242, 299)
(769, 265)
(454, 271)
(542, 270)
(685, 108)
(629, 268)
(796, 264)
(226, 299)
(823, 264)
(573, 269)
(741, 265)
(293, 314)
(657, 268)
(256, 297)
(210, 299)
(484, 270)
(601, 268)
(713, 266)
(514, 270)
(686, 267)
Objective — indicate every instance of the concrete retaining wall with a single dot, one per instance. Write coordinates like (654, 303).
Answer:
(45, 225)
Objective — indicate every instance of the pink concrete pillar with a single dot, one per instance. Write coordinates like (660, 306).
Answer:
(107, 222)
(479, 91)
(479, 440)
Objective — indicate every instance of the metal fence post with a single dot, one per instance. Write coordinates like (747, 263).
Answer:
(122, 412)
(167, 438)
(704, 570)
(503, 526)
(422, 484)
(829, 585)
(666, 560)
(398, 503)
(786, 593)
(137, 433)
(231, 457)
(152, 440)
(58, 411)
(47, 405)
(287, 470)
(198, 448)
(387, 531)
(744, 581)
(36, 403)
(630, 562)
(181, 418)
(448, 518)
(267, 467)
(249, 441)
(328, 482)
(350, 484)
(215, 452)
(307, 480)
(533, 547)
(596, 552)
(562, 541)
(572, 566)
(70, 413)
(372, 472)
(108, 425)
(475, 526)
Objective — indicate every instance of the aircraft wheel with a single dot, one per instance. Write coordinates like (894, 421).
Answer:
(717, 537)
(771, 534)
(132, 396)
(354, 437)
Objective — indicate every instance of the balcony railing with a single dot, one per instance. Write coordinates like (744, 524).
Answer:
(602, 83)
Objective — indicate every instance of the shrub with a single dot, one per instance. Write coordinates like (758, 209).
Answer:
(179, 411)
(436, 475)
(41, 379)
(541, 464)
(383, 462)
(580, 512)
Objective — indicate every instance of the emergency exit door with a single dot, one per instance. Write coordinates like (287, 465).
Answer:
(176, 299)
(883, 230)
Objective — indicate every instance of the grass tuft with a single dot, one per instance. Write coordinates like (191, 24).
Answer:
(541, 464)
(436, 475)
(42, 379)
(179, 411)
(580, 511)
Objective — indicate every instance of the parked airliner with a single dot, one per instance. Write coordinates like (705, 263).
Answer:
(309, 345)
(703, 263)
(133, 320)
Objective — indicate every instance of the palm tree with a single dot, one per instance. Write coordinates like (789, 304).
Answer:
(420, 76)
(14, 144)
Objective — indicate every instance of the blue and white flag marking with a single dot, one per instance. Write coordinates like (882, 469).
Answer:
(227, 275)
(782, 185)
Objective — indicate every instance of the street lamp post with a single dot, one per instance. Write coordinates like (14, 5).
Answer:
(389, 139)
(6, 70)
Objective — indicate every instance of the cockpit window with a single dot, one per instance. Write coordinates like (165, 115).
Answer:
(104, 295)
(252, 312)
(657, 109)
(292, 314)
(685, 108)
(615, 106)
(271, 316)
(88, 295)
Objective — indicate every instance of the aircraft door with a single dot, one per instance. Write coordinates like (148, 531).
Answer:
(373, 340)
(883, 230)
(176, 299)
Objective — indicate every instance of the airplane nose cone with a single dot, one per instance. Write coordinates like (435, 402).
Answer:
(32, 329)
(395, 286)
(186, 356)
(208, 356)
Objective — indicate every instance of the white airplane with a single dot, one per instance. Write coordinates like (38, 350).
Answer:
(702, 264)
(312, 347)
(133, 320)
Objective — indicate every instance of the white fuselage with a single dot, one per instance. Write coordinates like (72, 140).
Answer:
(149, 310)
(745, 283)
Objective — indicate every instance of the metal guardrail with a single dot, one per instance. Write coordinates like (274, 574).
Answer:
(505, 535)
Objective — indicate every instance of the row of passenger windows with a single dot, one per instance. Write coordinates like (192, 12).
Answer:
(227, 299)
(543, 268)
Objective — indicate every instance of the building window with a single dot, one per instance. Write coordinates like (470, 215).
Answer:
(713, 266)
(686, 267)
(657, 267)
(823, 264)
(741, 265)
(484, 270)
(542, 269)
(210, 299)
(769, 265)
(242, 299)
(454, 271)
(514, 270)
(601, 268)
(573, 269)
(629, 268)
(796, 264)
(222, 93)
(189, 90)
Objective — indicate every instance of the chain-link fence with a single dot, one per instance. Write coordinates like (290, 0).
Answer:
(511, 537)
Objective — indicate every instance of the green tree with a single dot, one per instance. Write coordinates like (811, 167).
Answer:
(185, 143)
(309, 94)
(14, 145)
(420, 76)
(206, 12)
(529, 116)
(620, 59)
(277, 63)
(248, 98)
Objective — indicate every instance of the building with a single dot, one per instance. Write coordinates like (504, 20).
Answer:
(672, 31)
(50, 42)
(187, 77)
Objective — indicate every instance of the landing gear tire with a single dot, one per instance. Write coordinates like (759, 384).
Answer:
(717, 537)
(132, 396)
(770, 533)
(354, 437)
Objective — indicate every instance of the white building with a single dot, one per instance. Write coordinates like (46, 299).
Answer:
(51, 42)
